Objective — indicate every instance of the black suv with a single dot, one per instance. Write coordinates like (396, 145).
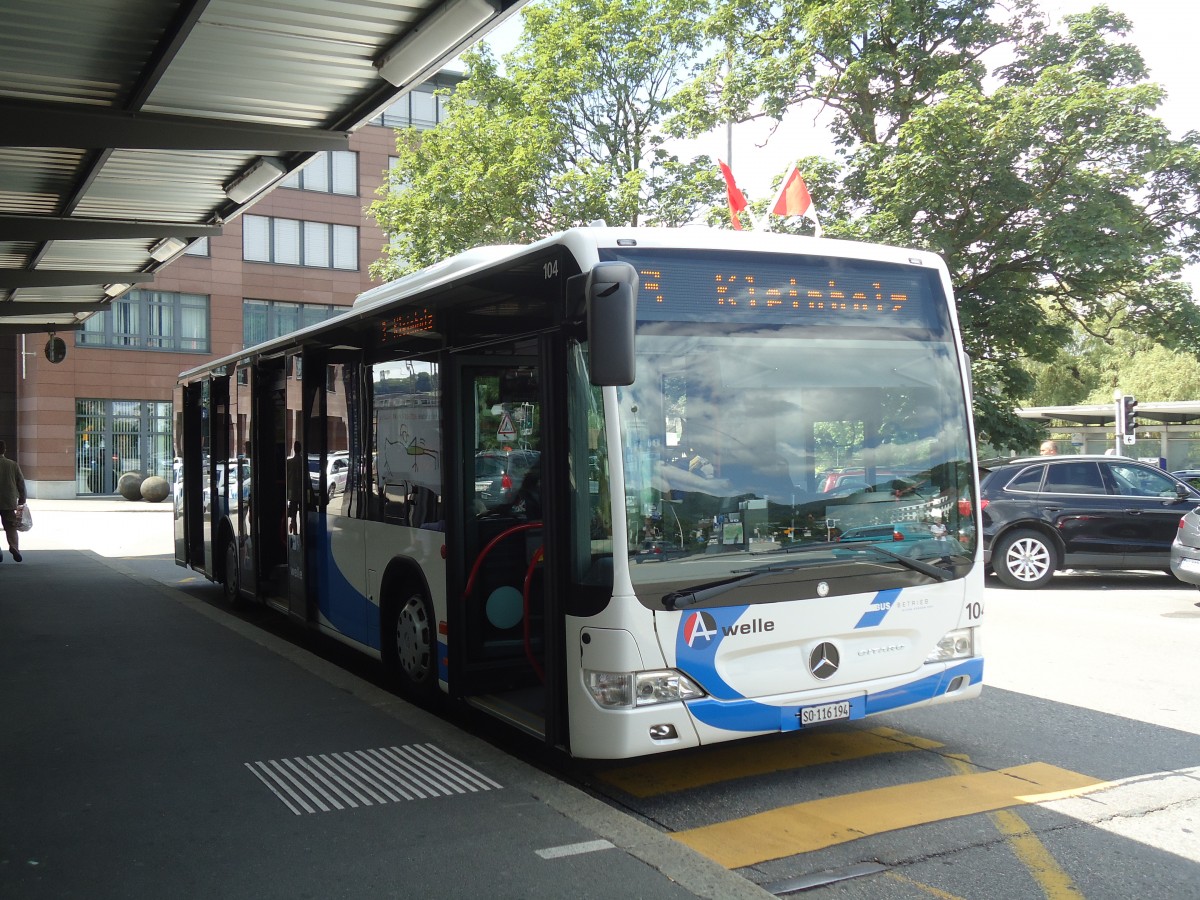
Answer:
(1047, 513)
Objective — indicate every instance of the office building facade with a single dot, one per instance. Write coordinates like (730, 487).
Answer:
(301, 254)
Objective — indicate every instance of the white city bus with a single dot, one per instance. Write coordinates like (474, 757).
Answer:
(597, 485)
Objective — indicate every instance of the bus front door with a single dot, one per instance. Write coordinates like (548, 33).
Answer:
(503, 600)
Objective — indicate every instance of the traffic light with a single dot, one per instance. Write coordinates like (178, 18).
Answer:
(1129, 414)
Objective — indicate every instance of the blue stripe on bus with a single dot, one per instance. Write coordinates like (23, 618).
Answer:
(697, 641)
(880, 604)
(750, 715)
(924, 689)
(340, 603)
(350, 612)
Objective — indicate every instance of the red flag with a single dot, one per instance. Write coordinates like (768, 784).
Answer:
(737, 200)
(793, 197)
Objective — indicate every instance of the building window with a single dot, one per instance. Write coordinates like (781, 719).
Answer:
(291, 242)
(420, 108)
(150, 320)
(329, 172)
(263, 320)
(198, 247)
(113, 437)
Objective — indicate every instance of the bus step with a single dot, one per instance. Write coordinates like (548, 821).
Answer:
(521, 708)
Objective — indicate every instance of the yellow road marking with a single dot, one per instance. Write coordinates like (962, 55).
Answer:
(926, 888)
(817, 824)
(1055, 883)
(664, 776)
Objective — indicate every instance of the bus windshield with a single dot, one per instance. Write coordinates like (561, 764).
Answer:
(826, 438)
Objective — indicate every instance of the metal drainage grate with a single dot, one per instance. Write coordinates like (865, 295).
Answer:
(309, 784)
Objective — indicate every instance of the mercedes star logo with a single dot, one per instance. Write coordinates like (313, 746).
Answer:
(824, 659)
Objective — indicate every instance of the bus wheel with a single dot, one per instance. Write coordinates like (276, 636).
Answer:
(1025, 559)
(411, 645)
(233, 579)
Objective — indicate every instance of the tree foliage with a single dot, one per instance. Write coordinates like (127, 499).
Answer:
(1090, 369)
(569, 133)
(1029, 158)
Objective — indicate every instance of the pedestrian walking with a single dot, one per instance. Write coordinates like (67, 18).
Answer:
(12, 501)
(297, 483)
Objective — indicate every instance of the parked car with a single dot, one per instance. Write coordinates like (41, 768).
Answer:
(1191, 476)
(896, 531)
(499, 473)
(1043, 514)
(227, 471)
(656, 551)
(1185, 549)
(854, 478)
(337, 467)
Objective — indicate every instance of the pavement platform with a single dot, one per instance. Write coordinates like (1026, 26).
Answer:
(155, 745)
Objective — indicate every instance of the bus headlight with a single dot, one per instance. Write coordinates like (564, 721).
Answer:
(958, 644)
(624, 690)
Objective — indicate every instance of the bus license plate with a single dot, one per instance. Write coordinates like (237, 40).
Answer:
(828, 712)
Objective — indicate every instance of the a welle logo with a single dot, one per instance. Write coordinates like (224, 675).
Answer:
(700, 628)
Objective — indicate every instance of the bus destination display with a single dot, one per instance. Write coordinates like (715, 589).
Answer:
(775, 289)
(403, 324)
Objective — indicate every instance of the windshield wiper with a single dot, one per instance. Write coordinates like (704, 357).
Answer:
(693, 596)
(908, 562)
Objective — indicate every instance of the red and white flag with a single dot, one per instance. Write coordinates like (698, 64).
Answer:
(737, 200)
(793, 199)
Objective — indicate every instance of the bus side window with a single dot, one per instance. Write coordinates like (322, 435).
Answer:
(406, 438)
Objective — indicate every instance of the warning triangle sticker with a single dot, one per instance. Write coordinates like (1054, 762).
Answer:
(506, 429)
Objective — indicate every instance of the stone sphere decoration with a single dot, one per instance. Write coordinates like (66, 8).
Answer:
(129, 485)
(155, 489)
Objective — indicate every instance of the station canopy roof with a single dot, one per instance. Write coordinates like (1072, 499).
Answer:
(134, 127)
(1181, 412)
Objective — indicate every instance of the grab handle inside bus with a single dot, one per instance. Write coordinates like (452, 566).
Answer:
(612, 289)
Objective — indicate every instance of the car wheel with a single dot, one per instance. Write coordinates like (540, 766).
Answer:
(1025, 559)
(232, 586)
(411, 648)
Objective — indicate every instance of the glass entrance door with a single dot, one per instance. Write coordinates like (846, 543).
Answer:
(113, 437)
(504, 600)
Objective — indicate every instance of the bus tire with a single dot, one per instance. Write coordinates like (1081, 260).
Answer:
(1025, 559)
(410, 644)
(231, 583)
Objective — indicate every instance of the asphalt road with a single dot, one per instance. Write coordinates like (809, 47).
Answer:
(1077, 774)
(1088, 733)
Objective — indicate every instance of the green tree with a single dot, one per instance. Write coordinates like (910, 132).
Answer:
(1090, 369)
(1057, 198)
(570, 133)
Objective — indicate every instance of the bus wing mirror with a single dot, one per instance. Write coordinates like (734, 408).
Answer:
(611, 293)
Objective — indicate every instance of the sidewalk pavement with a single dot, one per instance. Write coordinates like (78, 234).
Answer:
(156, 745)
(109, 526)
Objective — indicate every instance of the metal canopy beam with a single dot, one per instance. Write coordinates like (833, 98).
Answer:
(38, 327)
(40, 278)
(60, 228)
(48, 308)
(96, 128)
(1149, 414)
